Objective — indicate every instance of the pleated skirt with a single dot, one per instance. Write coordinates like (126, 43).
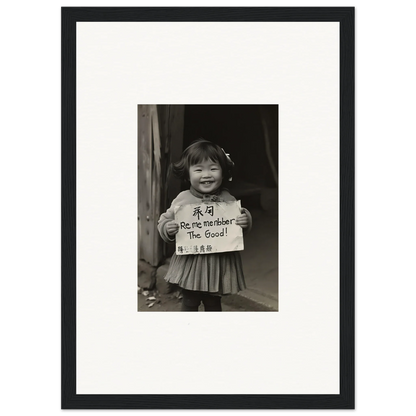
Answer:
(220, 273)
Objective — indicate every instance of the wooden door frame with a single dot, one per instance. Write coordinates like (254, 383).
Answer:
(160, 139)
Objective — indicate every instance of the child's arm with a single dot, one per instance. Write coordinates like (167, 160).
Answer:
(166, 225)
(244, 220)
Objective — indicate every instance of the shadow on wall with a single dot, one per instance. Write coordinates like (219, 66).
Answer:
(249, 133)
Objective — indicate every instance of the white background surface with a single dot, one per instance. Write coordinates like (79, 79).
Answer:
(292, 64)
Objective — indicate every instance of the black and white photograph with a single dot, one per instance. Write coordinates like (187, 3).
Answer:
(202, 170)
(219, 252)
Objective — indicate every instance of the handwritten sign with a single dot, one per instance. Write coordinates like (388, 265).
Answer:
(208, 228)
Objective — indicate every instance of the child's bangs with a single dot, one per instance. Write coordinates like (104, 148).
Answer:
(199, 155)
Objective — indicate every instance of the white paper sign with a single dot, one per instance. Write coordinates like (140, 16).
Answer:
(208, 228)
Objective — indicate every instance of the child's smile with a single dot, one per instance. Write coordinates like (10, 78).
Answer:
(206, 176)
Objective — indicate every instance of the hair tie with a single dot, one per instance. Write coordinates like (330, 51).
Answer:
(227, 155)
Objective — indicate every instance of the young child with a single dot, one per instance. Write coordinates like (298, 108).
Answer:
(204, 277)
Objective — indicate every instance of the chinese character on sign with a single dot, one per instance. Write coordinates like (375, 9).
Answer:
(197, 212)
(209, 210)
(209, 248)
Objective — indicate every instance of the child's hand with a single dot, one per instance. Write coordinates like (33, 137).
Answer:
(242, 220)
(172, 228)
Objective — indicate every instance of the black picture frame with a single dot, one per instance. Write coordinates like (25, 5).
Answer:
(70, 399)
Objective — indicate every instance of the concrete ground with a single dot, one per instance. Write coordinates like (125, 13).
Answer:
(260, 259)
(260, 262)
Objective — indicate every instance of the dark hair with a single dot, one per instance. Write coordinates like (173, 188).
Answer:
(198, 151)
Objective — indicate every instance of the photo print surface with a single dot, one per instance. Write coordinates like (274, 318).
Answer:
(207, 208)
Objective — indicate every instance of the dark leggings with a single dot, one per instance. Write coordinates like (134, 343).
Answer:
(192, 299)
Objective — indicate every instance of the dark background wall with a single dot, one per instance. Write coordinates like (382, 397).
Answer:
(239, 130)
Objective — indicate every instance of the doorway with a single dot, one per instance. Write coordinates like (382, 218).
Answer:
(249, 133)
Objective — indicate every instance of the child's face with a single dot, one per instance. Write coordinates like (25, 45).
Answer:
(206, 176)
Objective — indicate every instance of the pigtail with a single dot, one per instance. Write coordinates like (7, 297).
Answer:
(179, 169)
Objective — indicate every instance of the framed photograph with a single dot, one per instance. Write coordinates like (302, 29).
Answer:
(208, 165)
